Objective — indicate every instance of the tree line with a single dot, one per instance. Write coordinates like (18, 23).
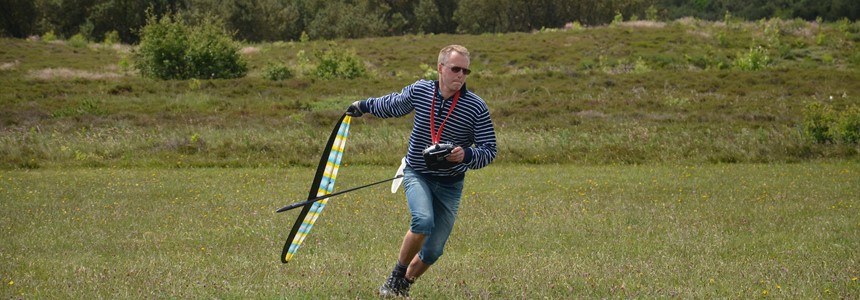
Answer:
(278, 20)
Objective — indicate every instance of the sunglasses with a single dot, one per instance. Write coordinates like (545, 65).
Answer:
(458, 69)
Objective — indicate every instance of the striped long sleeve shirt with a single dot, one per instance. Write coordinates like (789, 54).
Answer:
(468, 126)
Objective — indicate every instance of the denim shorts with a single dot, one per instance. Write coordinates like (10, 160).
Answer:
(434, 209)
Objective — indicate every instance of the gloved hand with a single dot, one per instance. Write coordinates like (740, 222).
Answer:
(354, 109)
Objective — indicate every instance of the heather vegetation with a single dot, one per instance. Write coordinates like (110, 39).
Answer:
(631, 92)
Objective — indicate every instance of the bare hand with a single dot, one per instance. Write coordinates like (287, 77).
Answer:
(456, 155)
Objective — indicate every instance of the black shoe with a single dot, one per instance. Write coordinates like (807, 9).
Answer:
(395, 287)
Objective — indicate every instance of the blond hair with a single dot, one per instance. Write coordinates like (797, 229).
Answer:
(445, 53)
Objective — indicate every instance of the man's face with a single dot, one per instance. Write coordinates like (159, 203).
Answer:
(453, 81)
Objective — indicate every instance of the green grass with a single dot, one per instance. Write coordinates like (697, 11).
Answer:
(669, 231)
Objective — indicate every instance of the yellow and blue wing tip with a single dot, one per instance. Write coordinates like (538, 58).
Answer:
(311, 219)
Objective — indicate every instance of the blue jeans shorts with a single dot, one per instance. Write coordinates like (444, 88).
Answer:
(434, 209)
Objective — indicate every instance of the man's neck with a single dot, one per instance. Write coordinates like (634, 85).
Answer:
(446, 93)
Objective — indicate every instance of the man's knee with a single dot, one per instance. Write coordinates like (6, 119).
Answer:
(421, 225)
(429, 256)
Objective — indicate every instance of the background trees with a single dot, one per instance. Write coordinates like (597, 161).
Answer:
(273, 20)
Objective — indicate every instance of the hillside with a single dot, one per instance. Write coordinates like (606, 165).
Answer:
(634, 92)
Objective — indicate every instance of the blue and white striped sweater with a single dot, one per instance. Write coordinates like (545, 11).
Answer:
(469, 126)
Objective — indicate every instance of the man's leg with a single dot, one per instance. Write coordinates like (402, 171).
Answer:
(416, 268)
(445, 214)
(412, 243)
(420, 201)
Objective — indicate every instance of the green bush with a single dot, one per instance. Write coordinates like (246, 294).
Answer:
(618, 19)
(429, 72)
(756, 59)
(847, 127)
(640, 66)
(49, 36)
(78, 41)
(337, 63)
(169, 49)
(161, 53)
(304, 64)
(651, 13)
(817, 120)
(277, 72)
(111, 38)
(212, 53)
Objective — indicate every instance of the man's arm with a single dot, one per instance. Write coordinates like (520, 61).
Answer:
(484, 151)
(388, 106)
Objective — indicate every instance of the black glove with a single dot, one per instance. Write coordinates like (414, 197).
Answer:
(354, 109)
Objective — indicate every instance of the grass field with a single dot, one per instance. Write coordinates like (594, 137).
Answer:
(714, 231)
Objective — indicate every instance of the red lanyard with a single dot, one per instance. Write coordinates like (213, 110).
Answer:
(436, 136)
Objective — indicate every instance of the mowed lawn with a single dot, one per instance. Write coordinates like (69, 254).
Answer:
(525, 231)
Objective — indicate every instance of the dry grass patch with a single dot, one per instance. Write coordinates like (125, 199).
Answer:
(10, 65)
(66, 73)
(121, 48)
(591, 114)
(643, 24)
(700, 33)
(693, 22)
(249, 50)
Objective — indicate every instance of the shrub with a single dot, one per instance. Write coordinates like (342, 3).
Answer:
(78, 41)
(429, 72)
(212, 53)
(847, 127)
(277, 72)
(640, 66)
(722, 39)
(124, 64)
(618, 19)
(49, 36)
(161, 53)
(756, 59)
(817, 120)
(111, 38)
(169, 49)
(575, 26)
(651, 13)
(304, 38)
(337, 63)
(820, 38)
(844, 26)
(304, 64)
